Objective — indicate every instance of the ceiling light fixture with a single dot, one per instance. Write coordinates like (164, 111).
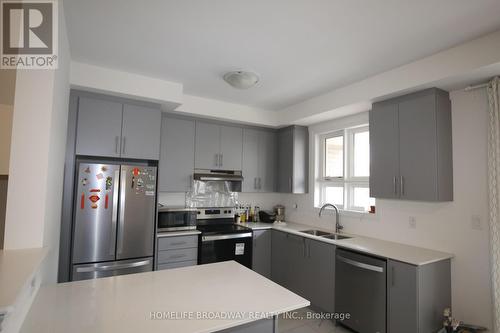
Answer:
(241, 79)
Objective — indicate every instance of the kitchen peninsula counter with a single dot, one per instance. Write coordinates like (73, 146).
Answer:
(197, 299)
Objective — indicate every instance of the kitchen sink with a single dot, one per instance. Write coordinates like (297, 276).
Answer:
(316, 232)
(335, 236)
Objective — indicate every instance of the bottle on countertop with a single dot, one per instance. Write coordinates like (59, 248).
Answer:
(256, 214)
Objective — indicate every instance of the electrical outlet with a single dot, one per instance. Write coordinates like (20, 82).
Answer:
(412, 222)
(475, 222)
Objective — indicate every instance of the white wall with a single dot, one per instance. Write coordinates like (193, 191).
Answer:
(37, 157)
(6, 112)
(440, 226)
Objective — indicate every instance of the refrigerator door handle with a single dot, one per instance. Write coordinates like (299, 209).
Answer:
(112, 267)
(114, 213)
(121, 220)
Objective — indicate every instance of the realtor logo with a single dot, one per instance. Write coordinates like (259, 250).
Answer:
(29, 34)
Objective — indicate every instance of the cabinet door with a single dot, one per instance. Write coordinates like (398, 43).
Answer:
(99, 127)
(207, 146)
(267, 161)
(297, 274)
(384, 151)
(176, 155)
(231, 147)
(250, 160)
(262, 252)
(418, 149)
(402, 300)
(279, 257)
(321, 268)
(141, 132)
(285, 160)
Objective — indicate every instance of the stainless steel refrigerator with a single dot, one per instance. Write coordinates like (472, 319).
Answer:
(114, 218)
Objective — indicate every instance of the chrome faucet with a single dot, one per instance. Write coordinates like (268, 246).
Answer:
(338, 226)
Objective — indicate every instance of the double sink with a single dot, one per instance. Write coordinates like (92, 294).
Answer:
(325, 234)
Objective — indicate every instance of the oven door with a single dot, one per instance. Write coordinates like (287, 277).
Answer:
(172, 220)
(215, 248)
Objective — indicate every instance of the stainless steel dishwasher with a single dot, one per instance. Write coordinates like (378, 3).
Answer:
(360, 290)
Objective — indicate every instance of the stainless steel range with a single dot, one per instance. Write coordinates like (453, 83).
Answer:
(221, 239)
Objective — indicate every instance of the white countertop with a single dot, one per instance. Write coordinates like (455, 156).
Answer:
(16, 268)
(124, 303)
(405, 253)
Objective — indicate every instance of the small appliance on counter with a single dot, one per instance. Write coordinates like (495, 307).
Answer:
(267, 216)
(176, 219)
(279, 210)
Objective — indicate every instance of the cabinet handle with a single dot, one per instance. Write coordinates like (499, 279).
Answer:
(402, 184)
(178, 243)
(395, 185)
(260, 183)
(216, 160)
(221, 159)
(393, 276)
(304, 246)
(255, 183)
(117, 139)
(123, 144)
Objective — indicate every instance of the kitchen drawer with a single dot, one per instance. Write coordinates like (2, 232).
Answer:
(177, 265)
(177, 242)
(165, 257)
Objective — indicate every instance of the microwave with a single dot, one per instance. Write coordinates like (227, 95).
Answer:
(176, 218)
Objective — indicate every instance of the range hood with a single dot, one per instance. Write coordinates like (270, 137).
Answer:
(231, 177)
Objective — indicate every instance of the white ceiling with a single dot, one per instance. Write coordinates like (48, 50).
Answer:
(301, 48)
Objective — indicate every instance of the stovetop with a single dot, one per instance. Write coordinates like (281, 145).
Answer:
(217, 229)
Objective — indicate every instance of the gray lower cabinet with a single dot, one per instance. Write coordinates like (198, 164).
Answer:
(141, 130)
(218, 146)
(108, 127)
(417, 296)
(261, 255)
(99, 127)
(411, 147)
(176, 251)
(176, 155)
(306, 267)
(320, 265)
(259, 160)
(293, 159)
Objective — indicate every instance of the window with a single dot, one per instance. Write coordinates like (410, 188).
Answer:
(345, 169)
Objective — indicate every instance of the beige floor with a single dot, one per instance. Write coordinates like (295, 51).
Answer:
(301, 324)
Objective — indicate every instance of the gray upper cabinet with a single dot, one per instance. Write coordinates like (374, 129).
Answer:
(231, 147)
(176, 155)
(99, 127)
(207, 146)
(261, 255)
(250, 160)
(384, 150)
(109, 128)
(267, 161)
(293, 159)
(259, 160)
(141, 132)
(218, 147)
(411, 147)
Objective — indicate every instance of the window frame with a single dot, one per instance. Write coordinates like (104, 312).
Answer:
(348, 181)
